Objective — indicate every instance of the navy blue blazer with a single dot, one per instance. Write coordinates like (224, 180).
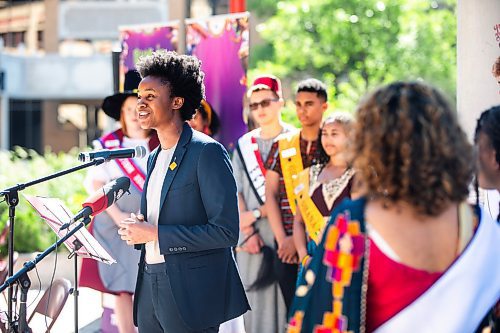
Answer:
(197, 227)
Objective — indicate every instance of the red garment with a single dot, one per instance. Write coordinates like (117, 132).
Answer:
(392, 286)
(89, 274)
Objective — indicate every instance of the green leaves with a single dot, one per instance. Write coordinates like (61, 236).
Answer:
(357, 45)
(21, 166)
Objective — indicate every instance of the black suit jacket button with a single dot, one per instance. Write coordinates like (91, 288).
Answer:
(170, 249)
(184, 248)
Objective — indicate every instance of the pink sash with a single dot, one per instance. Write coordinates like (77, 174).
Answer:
(128, 166)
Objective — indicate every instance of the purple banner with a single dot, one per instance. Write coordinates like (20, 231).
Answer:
(138, 41)
(221, 43)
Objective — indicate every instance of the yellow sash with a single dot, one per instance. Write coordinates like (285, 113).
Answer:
(313, 219)
(291, 164)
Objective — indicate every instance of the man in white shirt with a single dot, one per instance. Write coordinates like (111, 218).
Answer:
(188, 280)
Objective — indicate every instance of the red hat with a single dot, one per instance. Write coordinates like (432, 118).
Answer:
(266, 82)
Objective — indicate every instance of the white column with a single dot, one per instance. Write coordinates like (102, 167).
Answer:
(477, 49)
(180, 10)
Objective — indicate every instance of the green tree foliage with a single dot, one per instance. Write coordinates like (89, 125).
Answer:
(356, 45)
(31, 233)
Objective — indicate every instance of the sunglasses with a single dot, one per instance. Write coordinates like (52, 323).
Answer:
(264, 103)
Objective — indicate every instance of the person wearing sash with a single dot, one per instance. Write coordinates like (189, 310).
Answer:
(256, 252)
(322, 186)
(288, 156)
(411, 255)
(118, 279)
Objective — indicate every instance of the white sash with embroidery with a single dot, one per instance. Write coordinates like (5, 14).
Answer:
(253, 162)
(460, 299)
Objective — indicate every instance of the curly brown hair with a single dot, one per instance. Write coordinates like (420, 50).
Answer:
(409, 147)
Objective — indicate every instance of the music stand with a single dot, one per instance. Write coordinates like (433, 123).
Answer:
(81, 243)
(11, 196)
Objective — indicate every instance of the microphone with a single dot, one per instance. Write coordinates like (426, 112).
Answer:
(101, 199)
(111, 154)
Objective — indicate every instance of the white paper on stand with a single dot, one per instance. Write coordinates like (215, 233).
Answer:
(53, 211)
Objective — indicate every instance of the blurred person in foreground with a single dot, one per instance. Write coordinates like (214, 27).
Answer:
(411, 255)
(323, 186)
(188, 280)
(255, 254)
(118, 279)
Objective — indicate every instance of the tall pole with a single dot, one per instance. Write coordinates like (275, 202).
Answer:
(4, 120)
(478, 45)
(180, 11)
(237, 6)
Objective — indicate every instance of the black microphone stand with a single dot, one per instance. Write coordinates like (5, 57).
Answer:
(11, 196)
(77, 246)
(22, 277)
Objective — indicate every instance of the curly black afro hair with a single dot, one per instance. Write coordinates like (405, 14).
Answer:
(182, 73)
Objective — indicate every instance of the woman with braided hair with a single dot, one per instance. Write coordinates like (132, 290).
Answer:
(411, 254)
(487, 140)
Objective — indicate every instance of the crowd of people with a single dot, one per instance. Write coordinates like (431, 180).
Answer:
(347, 224)
(407, 167)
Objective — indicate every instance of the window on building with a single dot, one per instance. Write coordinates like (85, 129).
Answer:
(14, 38)
(39, 39)
(26, 124)
(19, 37)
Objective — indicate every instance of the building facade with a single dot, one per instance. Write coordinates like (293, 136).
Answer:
(56, 64)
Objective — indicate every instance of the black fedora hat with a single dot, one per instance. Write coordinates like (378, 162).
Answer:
(112, 104)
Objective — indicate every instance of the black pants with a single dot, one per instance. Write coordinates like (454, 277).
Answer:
(287, 280)
(156, 311)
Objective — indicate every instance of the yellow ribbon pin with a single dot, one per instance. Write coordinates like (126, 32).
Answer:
(173, 165)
